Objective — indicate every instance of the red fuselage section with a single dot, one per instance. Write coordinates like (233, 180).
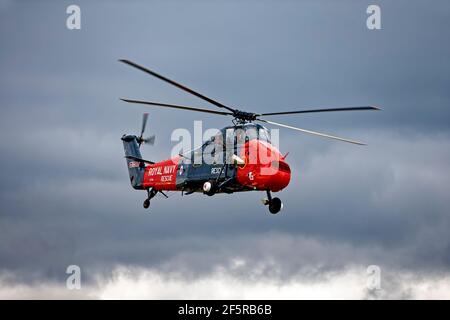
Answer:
(264, 168)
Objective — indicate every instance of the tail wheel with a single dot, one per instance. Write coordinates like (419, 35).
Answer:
(275, 205)
(146, 203)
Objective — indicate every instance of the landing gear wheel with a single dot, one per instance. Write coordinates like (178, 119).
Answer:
(146, 203)
(209, 188)
(275, 205)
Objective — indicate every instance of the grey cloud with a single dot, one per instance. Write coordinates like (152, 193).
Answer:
(384, 209)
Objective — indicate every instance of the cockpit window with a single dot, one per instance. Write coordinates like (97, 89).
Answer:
(264, 135)
(251, 133)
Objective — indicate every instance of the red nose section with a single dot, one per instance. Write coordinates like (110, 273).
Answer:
(265, 171)
(282, 176)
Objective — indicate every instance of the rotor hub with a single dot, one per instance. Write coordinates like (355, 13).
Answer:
(243, 116)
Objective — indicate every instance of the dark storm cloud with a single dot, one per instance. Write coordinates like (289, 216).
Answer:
(65, 196)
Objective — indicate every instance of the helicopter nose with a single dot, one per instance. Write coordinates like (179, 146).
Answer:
(282, 177)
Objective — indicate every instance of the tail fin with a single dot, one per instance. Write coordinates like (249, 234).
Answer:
(136, 169)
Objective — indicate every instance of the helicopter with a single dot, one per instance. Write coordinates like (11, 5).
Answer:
(241, 156)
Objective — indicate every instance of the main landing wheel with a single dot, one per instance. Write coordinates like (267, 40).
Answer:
(209, 188)
(275, 205)
(146, 203)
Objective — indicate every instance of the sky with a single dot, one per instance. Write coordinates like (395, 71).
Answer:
(65, 197)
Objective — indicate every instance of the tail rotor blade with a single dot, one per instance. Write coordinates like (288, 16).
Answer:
(144, 122)
(150, 140)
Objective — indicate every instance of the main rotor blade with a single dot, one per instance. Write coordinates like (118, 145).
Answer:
(178, 85)
(311, 132)
(321, 110)
(174, 106)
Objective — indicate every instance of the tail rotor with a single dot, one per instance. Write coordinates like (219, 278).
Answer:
(141, 140)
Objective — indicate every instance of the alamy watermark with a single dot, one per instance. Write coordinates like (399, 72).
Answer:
(373, 278)
(73, 281)
(373, 21)
(73, 21)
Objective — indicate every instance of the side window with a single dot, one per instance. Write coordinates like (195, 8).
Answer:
(197, 157)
